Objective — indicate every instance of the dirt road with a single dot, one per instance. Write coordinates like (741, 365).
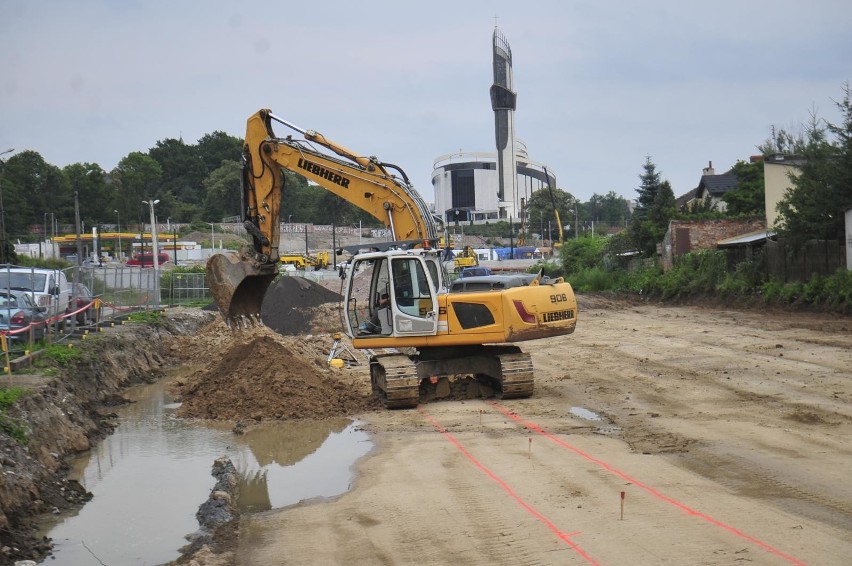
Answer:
(721, 437)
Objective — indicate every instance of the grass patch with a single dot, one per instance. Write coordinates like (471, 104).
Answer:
(60, 354)
(151, 318)
(11, 426)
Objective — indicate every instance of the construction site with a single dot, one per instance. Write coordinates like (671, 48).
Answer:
(679, 434)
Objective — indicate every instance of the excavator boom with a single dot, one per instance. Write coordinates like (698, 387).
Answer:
(239, 281)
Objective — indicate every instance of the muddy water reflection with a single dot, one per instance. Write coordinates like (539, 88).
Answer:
(149, 477)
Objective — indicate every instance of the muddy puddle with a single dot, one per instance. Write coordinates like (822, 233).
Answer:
(584, 413)
(149, 477)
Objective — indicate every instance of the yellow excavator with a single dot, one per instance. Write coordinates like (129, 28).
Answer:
(417, 326)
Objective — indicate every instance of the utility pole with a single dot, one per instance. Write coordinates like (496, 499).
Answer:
(118, 217)
(4, 256)
(77, 230)
(155, 251)
(511, 239)
(576, 221)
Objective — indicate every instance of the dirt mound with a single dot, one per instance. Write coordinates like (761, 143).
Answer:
(262, 376)
(276, 372)
(289, 305)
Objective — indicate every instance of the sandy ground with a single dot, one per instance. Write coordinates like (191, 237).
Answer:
(728, 434)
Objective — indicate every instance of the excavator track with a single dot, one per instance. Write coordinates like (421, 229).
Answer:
(394, 378)
(516, 375)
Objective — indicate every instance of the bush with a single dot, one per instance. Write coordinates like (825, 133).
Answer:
(834, 291)
(582, 253)
(550, 269)
(598, 279)
(838, 288)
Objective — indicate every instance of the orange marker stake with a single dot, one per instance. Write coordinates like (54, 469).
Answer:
(480, 416)
(622, 505)
(530, 449)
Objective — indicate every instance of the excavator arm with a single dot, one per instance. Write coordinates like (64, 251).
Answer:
(239, 281)
(555, 210)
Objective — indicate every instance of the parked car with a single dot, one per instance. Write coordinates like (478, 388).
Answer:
(84, 298)
(477, 271)
(17, 311)
(147, 260)
(50, 287)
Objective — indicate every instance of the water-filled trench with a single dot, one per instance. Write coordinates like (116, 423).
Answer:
(151, 474)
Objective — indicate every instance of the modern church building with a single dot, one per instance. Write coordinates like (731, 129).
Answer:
(480, 187)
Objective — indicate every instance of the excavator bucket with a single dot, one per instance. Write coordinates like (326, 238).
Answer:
(238, 286)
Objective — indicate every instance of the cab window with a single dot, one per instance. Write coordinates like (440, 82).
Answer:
(412, 292)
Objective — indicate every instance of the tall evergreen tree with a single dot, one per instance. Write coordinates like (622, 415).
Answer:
(655, 208)
(822, 190)
(749, 196)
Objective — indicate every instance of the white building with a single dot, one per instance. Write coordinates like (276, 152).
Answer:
(467, 186)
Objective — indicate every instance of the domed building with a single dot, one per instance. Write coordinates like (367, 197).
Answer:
(481, 187)
(467, 186)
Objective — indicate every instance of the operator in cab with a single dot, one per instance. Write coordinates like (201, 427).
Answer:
(374, 325)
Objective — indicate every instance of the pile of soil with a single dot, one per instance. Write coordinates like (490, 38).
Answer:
(261, 376)
(290, 305)
(276, 372)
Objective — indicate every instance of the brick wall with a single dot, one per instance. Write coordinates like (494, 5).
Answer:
(694, 235)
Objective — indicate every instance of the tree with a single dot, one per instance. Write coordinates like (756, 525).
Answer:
(749, 196)
(89, 181)
(611, 207)
(822, 190)
(217, 147)
(136, 178)
(222, 191)
(183, 171)
(540, 210)
(784, 142)
(31, 188)
(655, 208)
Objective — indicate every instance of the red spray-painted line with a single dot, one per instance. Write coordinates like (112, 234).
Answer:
(565, 537)
(641, 485)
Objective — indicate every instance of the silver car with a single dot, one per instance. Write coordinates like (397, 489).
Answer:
(19, 313)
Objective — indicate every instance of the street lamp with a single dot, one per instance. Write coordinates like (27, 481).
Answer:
(118, 217)
(212, 238)
(151, 203)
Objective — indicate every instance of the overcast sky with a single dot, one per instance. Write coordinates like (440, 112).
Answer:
(601, 85)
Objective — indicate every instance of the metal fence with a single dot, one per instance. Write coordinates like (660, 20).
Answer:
(120, 288)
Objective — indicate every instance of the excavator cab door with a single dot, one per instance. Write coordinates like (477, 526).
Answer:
(413, 297)
(401, 300)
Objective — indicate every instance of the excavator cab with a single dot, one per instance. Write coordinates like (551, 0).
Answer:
(401, 299)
